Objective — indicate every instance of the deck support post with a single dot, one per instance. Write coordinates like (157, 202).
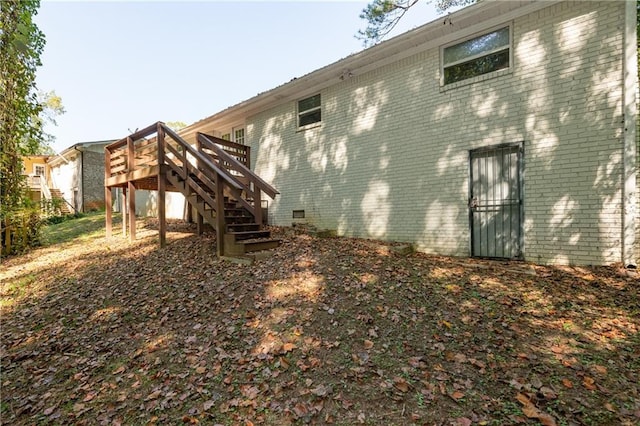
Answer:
(123, 209)
(131, 189)
(108, 210)
(257, 205)
(107, 193)
(199, 217)
(131, 195)
(219, 215)
(162, 182)
(199, 224)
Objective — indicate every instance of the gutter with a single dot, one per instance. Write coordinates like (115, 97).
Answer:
(630, 211)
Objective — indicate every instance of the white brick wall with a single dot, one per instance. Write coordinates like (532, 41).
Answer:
(390, 160)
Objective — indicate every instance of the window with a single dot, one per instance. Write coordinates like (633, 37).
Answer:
(238, 135)
(38, 170)
(226, 136)
(309, 111)
(480, 55)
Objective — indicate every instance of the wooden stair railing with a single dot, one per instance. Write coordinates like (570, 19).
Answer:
(252, 185)
(216, 183)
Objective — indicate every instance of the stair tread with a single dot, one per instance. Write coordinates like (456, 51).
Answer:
(257, 231)
(259, 240)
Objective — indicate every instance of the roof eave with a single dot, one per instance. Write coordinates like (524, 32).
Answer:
(457, 25)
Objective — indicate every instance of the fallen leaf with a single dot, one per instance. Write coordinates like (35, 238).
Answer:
(548, 393)
(457, 395)
(288, 347)
(523, 399)
(300, 409)
(600, 369)
(401, 384)
(557, 349)
(153, 395)
(50, 410)
(546, 419)
(531, 411)
(368, 344)
(462, 421)
(589, 383)
(321, 390)
(567, 383)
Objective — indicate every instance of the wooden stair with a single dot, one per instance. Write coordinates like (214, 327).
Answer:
(242, 235)
(56, 194)
(214, 175)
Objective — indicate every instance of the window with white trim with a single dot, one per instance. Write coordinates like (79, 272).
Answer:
(38, 170)
(477, 56)
(226, 136)
(309, 111)
(238, 135)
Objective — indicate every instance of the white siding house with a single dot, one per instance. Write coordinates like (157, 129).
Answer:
(506, 129)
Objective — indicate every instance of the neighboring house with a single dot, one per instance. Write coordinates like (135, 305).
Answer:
(78, 174)
(506, 129)
(35, 169)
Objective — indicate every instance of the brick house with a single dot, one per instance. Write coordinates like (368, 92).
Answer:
(77, 174)
(506, 129)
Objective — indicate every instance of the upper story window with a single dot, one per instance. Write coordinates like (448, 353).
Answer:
(226, 136)
(309, 111)
(38, 170)
(238, 135)
(479, 55)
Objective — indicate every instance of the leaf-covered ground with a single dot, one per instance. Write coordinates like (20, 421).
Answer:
(326, 331)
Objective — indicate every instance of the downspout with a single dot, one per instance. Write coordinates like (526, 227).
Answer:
(629, 151)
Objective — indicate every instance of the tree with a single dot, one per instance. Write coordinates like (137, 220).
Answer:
(51, 107)
(21, 44)
(176, 125)
(383, 15)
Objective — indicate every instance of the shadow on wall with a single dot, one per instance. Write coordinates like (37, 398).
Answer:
(391, 157)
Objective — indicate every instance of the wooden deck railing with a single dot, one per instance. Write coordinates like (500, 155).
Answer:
(212, 169)
(240, 152)
(252, 185)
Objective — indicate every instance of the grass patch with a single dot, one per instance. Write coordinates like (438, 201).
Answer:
(84, 228)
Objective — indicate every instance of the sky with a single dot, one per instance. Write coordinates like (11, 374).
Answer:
(123, 65)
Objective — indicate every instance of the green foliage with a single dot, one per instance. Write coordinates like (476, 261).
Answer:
(176, 125)
(51, 108)
(21, 44)
(383, 15)
(20, 230)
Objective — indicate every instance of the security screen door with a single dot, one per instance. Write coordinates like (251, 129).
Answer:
(495, 201)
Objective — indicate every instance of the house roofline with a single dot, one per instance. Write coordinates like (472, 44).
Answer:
(59, 157)
(445, 29)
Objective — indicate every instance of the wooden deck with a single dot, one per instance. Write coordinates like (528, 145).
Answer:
(214, 177)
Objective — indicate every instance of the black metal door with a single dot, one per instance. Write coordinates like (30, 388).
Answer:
(495, 201)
